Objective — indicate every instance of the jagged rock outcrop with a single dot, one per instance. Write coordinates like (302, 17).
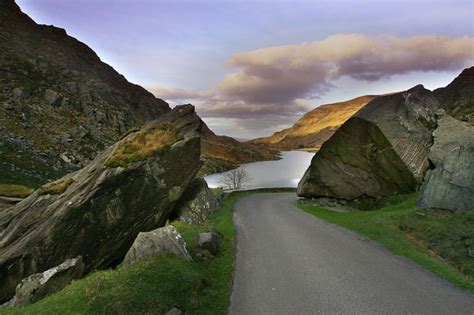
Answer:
(164, 240)
(96, 212)
(457, 99)
(315, 127)
(39, 285)
(450, 185)
(356, 162)
(59, 103)
(407, 119)
(197, 203)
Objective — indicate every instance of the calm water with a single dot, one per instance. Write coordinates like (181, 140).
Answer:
(286, 172)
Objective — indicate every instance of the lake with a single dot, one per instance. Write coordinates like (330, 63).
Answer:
(286, 172)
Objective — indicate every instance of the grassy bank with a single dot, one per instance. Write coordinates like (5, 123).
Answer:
(437, 240)
(156, 285)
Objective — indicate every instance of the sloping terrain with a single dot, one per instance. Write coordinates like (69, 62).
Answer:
(316, 126)
(60, 105)
(458, 97)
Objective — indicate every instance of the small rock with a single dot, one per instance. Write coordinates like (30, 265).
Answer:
(50, 96)
(209, 242)
(40, 285)
(420, 214)
(470, 252)
(164, 240)
(174, 311)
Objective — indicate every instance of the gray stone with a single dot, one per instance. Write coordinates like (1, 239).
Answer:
(407, 119)
(209, 242)
(165, 240)
(40, 285)
(50, 96)
(450, 185)
(174, 311)
(196, 203)
(356, 162)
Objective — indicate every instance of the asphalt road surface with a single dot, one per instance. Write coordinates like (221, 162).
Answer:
(290, 262)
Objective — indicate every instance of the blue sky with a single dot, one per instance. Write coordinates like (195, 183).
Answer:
(194, 51)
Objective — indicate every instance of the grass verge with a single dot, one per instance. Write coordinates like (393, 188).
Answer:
(438, 240)
(156, 285)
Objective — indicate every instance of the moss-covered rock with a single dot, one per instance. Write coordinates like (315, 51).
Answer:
(98, 211)
(356, 162)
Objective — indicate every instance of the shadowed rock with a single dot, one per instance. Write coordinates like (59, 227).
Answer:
(457, 99)
(407, 119)
(98, 211)
(357, 161)
(39, 285)
(197, 203)
(164, 240)
(450, 185)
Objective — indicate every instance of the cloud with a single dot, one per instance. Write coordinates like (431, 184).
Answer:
(272, 87)
(176, 94)
(279, 75)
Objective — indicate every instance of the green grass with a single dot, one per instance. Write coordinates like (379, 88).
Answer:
(16, 191)
(437, 240)
(155, 285)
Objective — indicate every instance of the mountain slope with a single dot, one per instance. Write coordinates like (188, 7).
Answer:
(59, 103)
(315, 127)
(458, 97)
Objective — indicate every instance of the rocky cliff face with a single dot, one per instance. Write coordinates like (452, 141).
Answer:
(96, 212)
(450, 185)
(315, 127)
(59, 103)
(356, 162)
(407, 119)
(457, 99)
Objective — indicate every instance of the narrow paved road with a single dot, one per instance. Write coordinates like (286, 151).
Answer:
(289, 262)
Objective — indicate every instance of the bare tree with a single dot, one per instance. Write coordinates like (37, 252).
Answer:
(235, 179)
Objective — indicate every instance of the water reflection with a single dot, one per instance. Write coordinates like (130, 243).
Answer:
(286, 172)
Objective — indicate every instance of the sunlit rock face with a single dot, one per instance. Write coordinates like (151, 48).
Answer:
(97, 212)
(358, 161)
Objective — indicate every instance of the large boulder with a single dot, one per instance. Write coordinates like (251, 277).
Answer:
(98, 211)
(39, 285)
(164, 240)
(450, 185)
(407, 119)
(197, 203)
(357, 161)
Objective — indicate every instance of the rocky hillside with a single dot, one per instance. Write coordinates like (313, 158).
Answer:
(457, 99)
(222, 153)
(316, 126)
(96, 212)
(59, 103)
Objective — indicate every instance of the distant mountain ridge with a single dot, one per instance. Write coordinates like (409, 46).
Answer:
(315, 127)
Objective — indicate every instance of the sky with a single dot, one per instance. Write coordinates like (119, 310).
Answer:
(254, 67)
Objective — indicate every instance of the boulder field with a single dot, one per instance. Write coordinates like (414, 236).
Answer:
(98, 211)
